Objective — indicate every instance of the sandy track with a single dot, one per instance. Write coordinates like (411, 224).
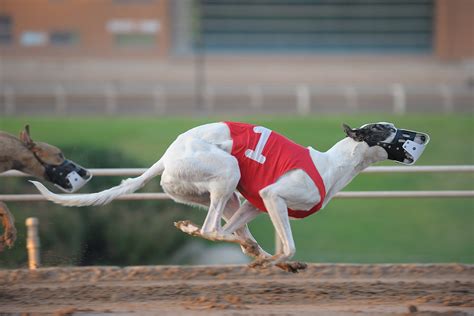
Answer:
(238, 290)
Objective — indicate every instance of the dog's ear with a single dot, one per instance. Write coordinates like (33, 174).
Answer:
(25, 137)
(349, 131)
(354, 133)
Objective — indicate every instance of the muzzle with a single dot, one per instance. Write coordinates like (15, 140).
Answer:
(68, 176)
(406, 146)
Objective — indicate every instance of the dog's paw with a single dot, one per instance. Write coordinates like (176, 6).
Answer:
(8, 238)
(262, 262)
(258, 263)
(251, 248)
(292, 266)
(188, 227)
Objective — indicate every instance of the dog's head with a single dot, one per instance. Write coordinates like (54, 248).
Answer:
(401, 145)
(65, 174)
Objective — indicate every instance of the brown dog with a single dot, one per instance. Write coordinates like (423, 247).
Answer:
(40, 160)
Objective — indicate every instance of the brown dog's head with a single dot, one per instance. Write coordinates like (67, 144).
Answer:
(65, 174)
(44, 152)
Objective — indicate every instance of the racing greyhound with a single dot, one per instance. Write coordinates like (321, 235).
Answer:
(38, 159)
(206, 166)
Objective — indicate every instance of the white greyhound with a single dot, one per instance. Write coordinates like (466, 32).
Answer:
(199, 168)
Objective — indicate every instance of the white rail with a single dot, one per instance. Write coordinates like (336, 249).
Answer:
(344, 195)
(341, 195)
(130, 172)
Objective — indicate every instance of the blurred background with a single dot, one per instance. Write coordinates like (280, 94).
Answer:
(113, 82)
(201, 57)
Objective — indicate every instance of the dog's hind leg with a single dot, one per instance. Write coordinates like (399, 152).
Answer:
(237, 232)
(211, 228)
(207, 170)
(237, 218)
(9, 230)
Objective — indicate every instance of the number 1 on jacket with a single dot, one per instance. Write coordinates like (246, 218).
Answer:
(256, 154)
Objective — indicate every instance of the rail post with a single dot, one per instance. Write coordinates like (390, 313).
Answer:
(447, 95)
(399, 99)
(9, 100)
(350, 94)
(60, 98)
(159, 98)
(256, 97)
(110, 93)
(303, 99)
(33, 243)
(209, 98)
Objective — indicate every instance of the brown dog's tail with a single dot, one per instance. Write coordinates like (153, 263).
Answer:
(100, 198)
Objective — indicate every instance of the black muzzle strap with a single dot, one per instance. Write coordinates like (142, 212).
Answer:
(68, 176)
(403, 147)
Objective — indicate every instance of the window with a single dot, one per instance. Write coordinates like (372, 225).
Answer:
(147, 26)
(6, 29)
(134, 1)
(139, 40)
(140, 33)
(63, 38)
(33, 38)
(342, 26)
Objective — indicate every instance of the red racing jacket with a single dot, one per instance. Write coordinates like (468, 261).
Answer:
(263, 157)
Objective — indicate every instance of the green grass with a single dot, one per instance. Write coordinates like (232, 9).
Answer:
(366, 230)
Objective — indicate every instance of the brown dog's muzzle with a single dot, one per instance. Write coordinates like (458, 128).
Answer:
(68, 176)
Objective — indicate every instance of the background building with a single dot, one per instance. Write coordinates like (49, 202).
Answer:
(101, 28)
(197, 46)
(160, 28)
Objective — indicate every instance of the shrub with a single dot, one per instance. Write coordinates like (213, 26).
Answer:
(121, 233)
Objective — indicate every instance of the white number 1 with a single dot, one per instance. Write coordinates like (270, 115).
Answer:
(256, 154)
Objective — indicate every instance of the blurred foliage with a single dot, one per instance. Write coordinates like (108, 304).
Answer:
(121, 233)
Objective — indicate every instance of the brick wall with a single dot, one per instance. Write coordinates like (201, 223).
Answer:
(97, 28)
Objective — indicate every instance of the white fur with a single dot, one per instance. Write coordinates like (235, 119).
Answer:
(198, 168)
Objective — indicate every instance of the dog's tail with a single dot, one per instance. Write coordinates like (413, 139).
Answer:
(100, 198)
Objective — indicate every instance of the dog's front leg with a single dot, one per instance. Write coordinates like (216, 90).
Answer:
(278, 212)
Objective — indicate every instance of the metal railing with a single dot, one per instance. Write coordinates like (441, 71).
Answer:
(345, 195)
(161, 99)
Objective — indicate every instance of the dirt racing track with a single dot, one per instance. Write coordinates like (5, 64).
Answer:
(340, 289)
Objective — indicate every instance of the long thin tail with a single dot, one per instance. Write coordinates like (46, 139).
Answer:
(100, 198)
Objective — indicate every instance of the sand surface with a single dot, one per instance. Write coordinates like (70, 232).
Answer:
(322, 289)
